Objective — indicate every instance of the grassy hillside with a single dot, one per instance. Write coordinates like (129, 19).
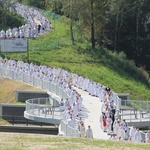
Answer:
(111, 69)
(8, 90)
(47, 142)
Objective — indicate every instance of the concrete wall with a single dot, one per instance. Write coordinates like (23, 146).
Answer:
(124, 96)
(14, 114)
(140, 124)
(12, 109)
(22, 96)
(26, 129)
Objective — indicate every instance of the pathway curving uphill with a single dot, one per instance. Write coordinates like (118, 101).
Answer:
(55, 80)
(36, 25)
(76, 102)
(93, 106)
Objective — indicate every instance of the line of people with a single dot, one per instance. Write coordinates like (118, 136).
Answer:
(36, 24)
(62, 78)
(117, 129)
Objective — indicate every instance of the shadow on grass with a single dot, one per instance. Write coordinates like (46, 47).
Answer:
(116, 61)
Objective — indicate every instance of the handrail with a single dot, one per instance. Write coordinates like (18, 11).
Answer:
(50, 86)
(68, 130)
(42, 107)
(135, 110)
(46, 85)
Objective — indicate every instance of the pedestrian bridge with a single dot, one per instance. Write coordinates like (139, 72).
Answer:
(47, 110)
(42, 110)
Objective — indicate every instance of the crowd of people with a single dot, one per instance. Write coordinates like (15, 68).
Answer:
(116, 128)
(63, 79)
(36, 24)
(71, 106)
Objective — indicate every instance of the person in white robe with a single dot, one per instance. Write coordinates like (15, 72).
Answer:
(75, 110)
(71, 122)
(62, 105)
(101, 120)
(116, 125)
(138, 137)
(126, 128)
(89, 132)
(147, 136)
(132, 133)
(82, 130)
(121, 133)
(67, 103)
(108, 124)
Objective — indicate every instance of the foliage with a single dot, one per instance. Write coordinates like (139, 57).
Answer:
(127, 29)
(101, 65)
(108, 68)
(120, 25)
(9, 18)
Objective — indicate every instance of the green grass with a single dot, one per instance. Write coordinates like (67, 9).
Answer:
(54, 49)
(46, 142)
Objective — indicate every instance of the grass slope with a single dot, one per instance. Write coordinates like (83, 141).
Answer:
(55, 49)
(47, 142)
(8, 90)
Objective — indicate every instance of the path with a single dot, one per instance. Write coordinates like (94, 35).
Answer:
(93, 106)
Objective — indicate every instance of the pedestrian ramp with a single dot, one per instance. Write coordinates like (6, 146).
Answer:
(93, 109)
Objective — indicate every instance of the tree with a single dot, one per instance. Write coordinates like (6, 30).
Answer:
(5, 6)
(91, 17)
(127, 29)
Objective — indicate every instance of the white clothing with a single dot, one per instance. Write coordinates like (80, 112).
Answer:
(82, 130)
(121, 133)
(138, 137)
(116, 128)
(89, 133)
(147, 137)
(132, 134)
(62, 105)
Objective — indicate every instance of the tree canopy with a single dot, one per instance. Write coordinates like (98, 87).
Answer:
(8, 16)
(120, 25)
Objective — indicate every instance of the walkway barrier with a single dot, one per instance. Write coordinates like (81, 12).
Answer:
(42, 107)
(142, 135)
(135, 110)
(35, 106)
(117, 102)
(59, 93)
(69, 131)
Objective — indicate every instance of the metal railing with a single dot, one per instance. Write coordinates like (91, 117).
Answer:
(46, 85)
(135, 110)
(68, 130)
(53, 88)
(33, 106)
(117, 103)
(42, 107)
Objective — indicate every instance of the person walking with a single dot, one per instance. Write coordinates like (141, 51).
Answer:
(82, 130)
(89, 132)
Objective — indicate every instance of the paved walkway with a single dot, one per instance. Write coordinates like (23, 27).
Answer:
(93, 107)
